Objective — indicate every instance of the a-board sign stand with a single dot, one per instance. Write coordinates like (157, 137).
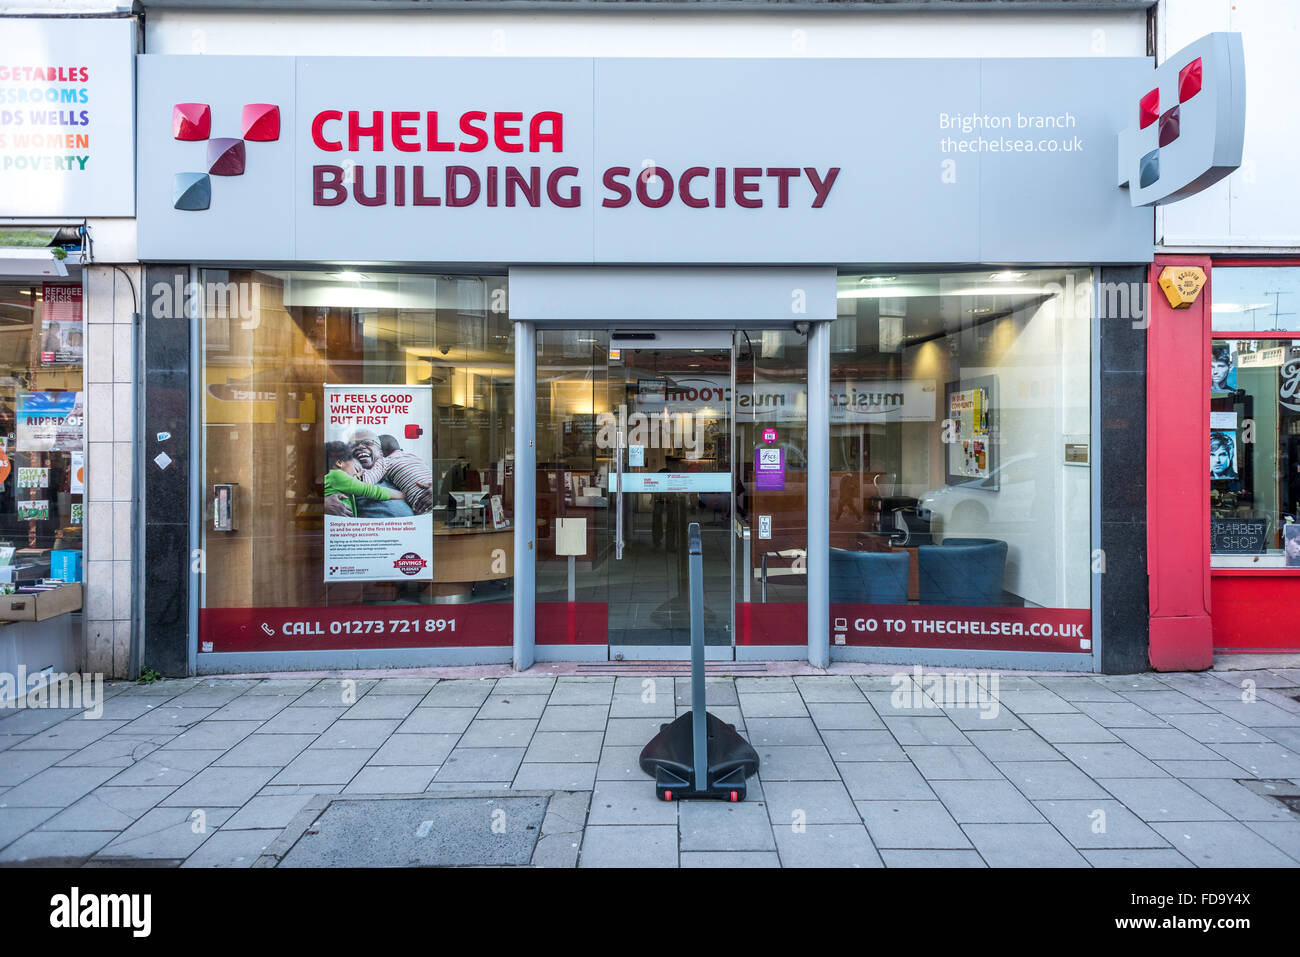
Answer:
(698, 755)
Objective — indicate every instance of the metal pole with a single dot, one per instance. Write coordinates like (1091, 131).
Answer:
(525, 580)
(819, 463)
(698, 718)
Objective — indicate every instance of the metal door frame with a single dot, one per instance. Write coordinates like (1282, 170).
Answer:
(686, 341)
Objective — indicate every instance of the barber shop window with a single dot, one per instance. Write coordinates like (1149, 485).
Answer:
(1254, 422)
(358, 451)
(960, 460)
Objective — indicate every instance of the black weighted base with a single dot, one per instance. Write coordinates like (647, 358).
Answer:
(669, 760)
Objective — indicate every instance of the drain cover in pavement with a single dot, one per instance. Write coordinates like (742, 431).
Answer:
(421, 832)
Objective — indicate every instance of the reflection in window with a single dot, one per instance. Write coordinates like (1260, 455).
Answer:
(960, 427)
(1254, 452)
(279, 347)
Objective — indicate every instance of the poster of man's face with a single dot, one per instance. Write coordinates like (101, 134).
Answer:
(1223, 455)
(1223, 367)
(1291, 544)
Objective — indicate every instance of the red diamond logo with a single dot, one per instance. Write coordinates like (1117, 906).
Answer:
(191, 121)
(226, 157)
(1189, 81)
(1149, 109)
(260, 122)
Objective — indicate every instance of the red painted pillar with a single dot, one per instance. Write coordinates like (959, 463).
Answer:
(1178, 487)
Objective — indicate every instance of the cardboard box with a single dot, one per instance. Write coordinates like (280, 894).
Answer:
(40, 605)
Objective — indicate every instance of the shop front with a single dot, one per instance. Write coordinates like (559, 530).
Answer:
(458, 370)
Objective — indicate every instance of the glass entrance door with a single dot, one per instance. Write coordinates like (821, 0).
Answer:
(635, 438)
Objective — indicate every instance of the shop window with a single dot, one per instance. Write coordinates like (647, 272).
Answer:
(1255, 418)
(358, 461)
(42, 415)
(960, 460)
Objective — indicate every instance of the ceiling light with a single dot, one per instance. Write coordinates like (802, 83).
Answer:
(1007, 276)
(349, 276)
(980, 310)
(875, 279)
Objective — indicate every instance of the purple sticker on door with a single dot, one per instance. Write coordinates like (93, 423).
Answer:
(769, 469)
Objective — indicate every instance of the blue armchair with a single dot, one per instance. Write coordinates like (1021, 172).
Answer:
(961, 571)
(872, 578)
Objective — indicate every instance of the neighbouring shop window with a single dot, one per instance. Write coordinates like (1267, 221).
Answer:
(960, 490)
(1255, 418)
(358, 460)
(42, 416)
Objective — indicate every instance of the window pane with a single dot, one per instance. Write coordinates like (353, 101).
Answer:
(1254, 452)
(960, 460)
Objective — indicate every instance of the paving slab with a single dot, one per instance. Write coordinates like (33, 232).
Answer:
(54, 846)
(239, 848)
(391, 779)
(796, 764)
(1070, 728)
(781, 704)
(574, 717)
(1163, 799)
(1284, 835)
(1134, 857)
(624, 845)
(268, 811)
(885, 781)
(481, 764)
(220, 787)
(555, 776)
(863, 746)
(911, 824)
(1023, 845)
(322, 766)
(942, 762)
(57, 787)
(1222, 844)
(985, 802)
(1098, 824)
(565, 747)
(1261, 760)
(107, 809)
(304, 720)
(818, 689)
(810, 802)
(1165, 744)
(165, 768)
(417, 749)
(498, 733)
(458, 694)
(999, 746)
(1238, 801)
(901, 857)
(165, 834)
(252, 707)
(730, 859)
(586, 691)
(389, 705)
(722, 826)
(18, 766)
(1051, 780)
(630, 802)
(500, 705)
(827, 845)
(844, 715)
(1110, 760)
(1217, 728)
(783, 731)
(266, 750)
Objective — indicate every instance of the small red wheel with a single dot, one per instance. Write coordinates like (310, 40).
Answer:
(668, 795)
(734, 797)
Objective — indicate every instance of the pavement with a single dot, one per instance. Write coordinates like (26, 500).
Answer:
(861, 767)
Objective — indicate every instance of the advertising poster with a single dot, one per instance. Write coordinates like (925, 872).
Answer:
(62, 339)
(77, 482)
(377, 465)
(968, 432)
(769, 469)
(50, 421)
(33, 478)
(33, 510)
(1223, 455)
(1223, 367)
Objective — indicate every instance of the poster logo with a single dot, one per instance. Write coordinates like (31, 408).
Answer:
(410, 564)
